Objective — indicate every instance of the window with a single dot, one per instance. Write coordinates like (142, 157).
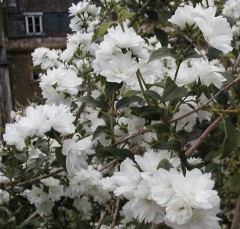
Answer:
(33, 23)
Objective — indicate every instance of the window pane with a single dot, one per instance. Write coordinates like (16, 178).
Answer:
(37, 24)
(30, 24)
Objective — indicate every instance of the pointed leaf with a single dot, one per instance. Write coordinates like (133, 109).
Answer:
(192, 54)
(162, 52)
(152, 94)
(110, 88)
(89, 100)
(230, 139)
(170, 145)
(164, 164)
(126, 101)
(172, 91)
(119, 154)
(103, 28)
(61, 159)
(234, 183)
(99, 131)
(161, 36)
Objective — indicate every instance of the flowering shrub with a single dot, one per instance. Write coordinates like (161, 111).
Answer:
(139, 126)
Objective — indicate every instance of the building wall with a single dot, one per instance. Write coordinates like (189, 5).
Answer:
(23, 86)
(54, 24)
(19, 45)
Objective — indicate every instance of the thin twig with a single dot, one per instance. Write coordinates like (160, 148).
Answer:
(80, 110)
(155, 226)
(140, 132)
(191, 150)
(108, 165)
(115, 213)
(236, 216)
(203, 106)
(101, 220)
(34, 215)
(40, 177)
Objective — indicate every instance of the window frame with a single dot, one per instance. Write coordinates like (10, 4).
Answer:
(33, 16)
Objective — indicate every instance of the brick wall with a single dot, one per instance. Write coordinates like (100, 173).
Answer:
(23, 86)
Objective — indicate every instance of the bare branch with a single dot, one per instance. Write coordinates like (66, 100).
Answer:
(40, 177)
(111, 163)
(191, 150)
(115, 213)
(140, 132)
(236, 216)
(101, 220)
(203, 106)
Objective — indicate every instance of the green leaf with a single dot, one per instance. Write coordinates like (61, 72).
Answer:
(89, 100)
(161, 36)
(160, 128)
(143, 226)
(162, 52)
(213, 53)
(37, 163)
(99, 131)
(103, 28)
(170, 145)
(230, 139)
(61, 159)
(119, 154)
(172, 91)
(164, 15)
(39, 142)
(148, 112)
(20, 156)
(152, 94)
(123, 14)
(164, 164)
(110, 88)
(131, 93)
(192, 54)
(228, 76)
(152, 14)
(126, 101)
(234, 183)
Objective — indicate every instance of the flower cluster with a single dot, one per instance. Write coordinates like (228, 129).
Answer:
(159, 195)
(216, 30)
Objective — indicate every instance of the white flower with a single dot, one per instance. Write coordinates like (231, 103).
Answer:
(125, 39)
(196, 189)
(216, 30)
(50, 181)
(143, 210)
(161, 186)
(183, 17)
(76, 153)
(14, 136)
(194, 161)
(127, 179)
(84, 206)
(45, 207)
(121, 68)
(4, 197)
(61, 118)
(36, 195)
(35, 122)
(150, 160)
(55, 192)
(178, 211)
(208, 72)
(201, 219)
(231, 8)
